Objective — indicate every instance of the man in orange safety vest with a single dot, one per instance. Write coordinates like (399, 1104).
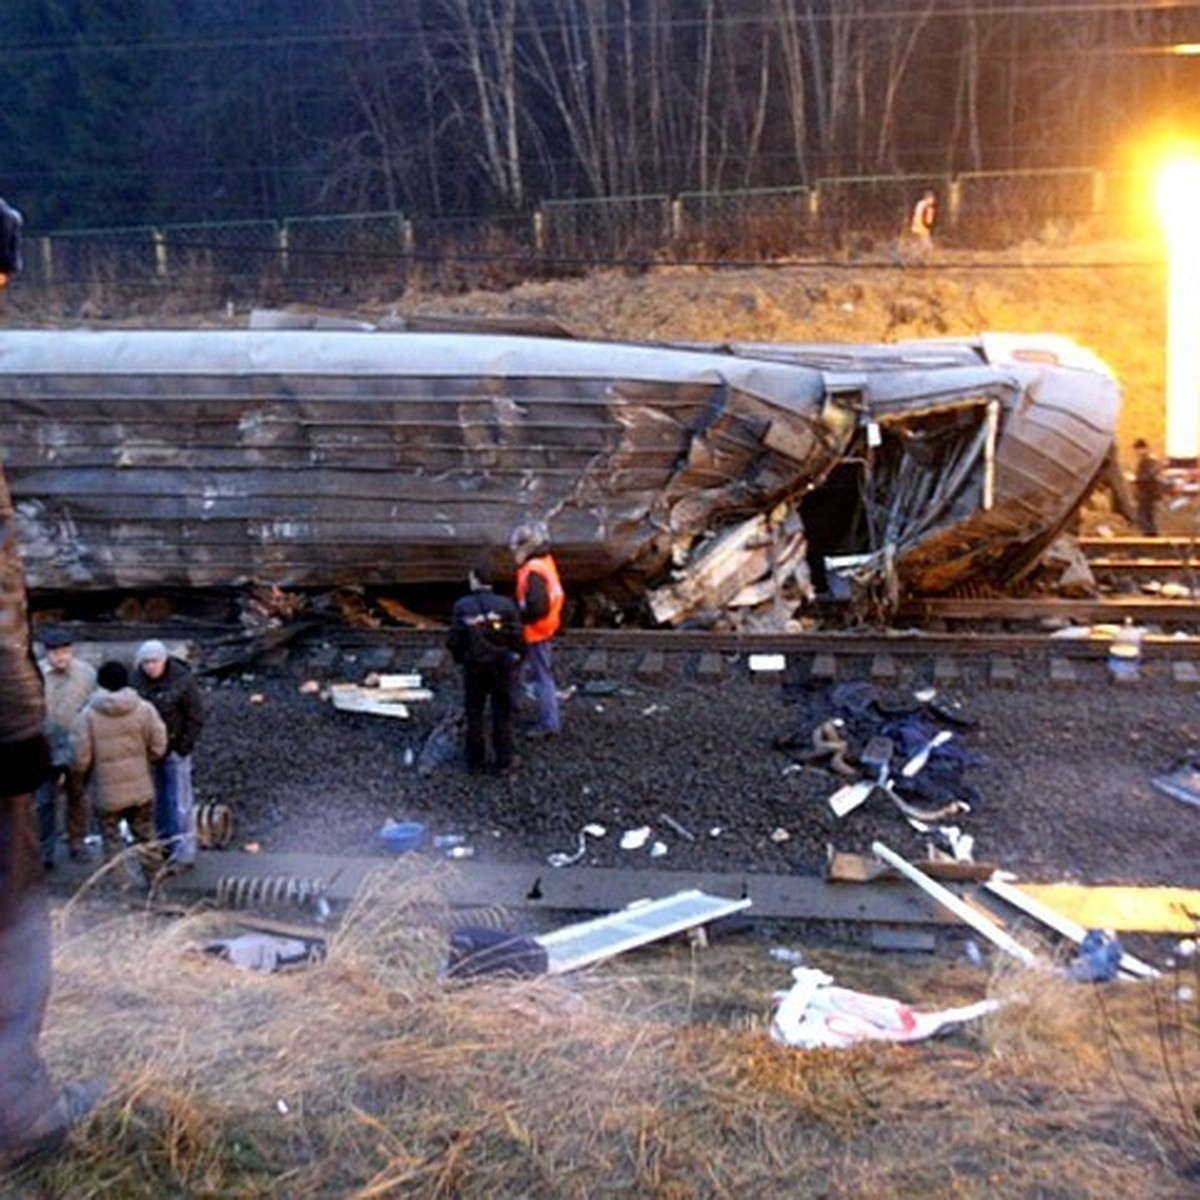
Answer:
(540, 598)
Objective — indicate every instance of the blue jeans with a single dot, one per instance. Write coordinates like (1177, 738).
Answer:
(174, 806)
(45, 803)
(539, 670)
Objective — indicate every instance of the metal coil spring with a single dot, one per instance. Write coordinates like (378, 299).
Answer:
(214, 826)
(479, 917)
(245, 891)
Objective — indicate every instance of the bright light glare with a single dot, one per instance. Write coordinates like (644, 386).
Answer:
(1179, 207)
(1178, 191)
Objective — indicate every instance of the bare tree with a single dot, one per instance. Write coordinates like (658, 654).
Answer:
(897, 40)
(481, 35)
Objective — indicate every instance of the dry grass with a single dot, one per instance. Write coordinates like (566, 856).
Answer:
(652, 1075)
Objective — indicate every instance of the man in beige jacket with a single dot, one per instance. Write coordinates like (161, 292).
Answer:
(117, 736)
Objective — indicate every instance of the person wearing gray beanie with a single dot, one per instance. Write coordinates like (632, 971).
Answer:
(151, 651)
(168, 683)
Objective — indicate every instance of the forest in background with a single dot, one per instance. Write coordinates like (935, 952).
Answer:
(162, 110)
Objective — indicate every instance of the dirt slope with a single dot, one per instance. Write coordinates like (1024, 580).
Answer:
(1108, 297)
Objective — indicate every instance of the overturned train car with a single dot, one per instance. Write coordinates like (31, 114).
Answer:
(693, 476)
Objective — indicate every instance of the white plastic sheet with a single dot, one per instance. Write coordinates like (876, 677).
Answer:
(816, 1014)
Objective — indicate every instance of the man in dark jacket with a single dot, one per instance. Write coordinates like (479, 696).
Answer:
(1147, 488)
(35, 1112)
(486, 640)
(172, 688)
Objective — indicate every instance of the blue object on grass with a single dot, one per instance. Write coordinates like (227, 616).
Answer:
(402, 836)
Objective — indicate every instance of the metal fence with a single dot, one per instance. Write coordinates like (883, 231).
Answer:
(361, 256)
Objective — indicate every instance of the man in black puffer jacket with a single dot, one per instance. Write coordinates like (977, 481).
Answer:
(172, 688)
(35, 1112)
(487, 641)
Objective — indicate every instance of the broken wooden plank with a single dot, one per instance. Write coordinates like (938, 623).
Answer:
(718, 570)
(351, 698)
(406, 679)
(844, 867)
(954, 904)
(345, 695)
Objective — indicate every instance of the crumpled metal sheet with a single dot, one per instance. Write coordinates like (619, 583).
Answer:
(312, 458)
(317, 458)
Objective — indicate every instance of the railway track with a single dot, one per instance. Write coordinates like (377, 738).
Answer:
(1168, 567)
(936, 628)
(599, 659)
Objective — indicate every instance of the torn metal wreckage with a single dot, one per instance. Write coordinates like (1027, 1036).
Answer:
(677, 481)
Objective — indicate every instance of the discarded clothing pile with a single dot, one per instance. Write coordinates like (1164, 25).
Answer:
(907, 723)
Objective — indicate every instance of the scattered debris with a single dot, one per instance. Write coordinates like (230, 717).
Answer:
(787, 954)
(849, 796)
(767, 663)
(876, 756)
(963, 911)
(214, 826)
(399, 837)
(560, 859)
(815, 1014)
(843, 867)
(598, 687)
(923, 816)
(743, 566)
(1069, 929)
(1125, 653)
(587, 942)
(486, 951)
(1183, 783)
(830, 747)
(267, 952)
(1099, 958)
(917, 762)
(442, 746)
(635, 839)
(481, 951)
(380, 699)
(272, 891)
(676, 827)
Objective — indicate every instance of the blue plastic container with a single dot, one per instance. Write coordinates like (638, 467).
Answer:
(399, 837)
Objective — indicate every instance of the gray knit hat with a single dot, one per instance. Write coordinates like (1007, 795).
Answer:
(151, 651)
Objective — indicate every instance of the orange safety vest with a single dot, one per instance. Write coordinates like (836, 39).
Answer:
(923, 216)
(547, 626)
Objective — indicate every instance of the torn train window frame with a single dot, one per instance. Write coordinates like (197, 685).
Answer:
(905, 499)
